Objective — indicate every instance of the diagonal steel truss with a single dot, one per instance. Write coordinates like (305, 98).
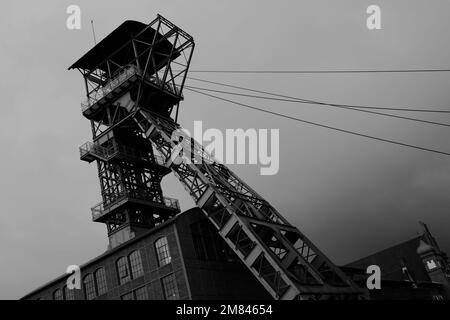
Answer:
(284, 260)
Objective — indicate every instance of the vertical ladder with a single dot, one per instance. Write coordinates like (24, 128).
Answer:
(283, 260)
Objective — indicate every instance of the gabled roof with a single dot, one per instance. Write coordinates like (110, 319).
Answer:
(390, 261)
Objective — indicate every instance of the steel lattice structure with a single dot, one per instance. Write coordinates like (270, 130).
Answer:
(130, 104)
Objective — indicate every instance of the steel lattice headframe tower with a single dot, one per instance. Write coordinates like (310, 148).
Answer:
(134, 80)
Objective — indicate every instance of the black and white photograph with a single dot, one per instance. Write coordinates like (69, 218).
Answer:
(225, 154)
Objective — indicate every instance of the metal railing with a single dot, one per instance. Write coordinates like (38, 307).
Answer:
(99, 209)
(130, 152)
(93, 148)
(124, 75)
(124, 151)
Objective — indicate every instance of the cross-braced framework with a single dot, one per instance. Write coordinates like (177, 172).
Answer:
(135, 88)
(135, 63)
(284, 260)
(156, 56)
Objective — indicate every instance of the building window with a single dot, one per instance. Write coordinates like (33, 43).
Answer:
(127, 296)
(89, 287)
(100, 279)
(123, 270)
(130, 267)
(138, 294)
(162, 251)
(137, 269)
(57, 295)
(69, 294)
(141, 293)
(170, 288)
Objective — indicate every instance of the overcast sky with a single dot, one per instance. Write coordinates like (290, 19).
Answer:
(350, 195)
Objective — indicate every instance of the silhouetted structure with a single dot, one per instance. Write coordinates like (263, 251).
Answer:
(414, 269)
(134, 80)
(235, 245)
(183, 258)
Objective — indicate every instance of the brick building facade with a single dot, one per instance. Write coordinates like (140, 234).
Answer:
(182, 258)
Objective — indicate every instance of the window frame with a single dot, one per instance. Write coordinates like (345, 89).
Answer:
(66, 291)
(128, 294)
(175, 287)
(133, 294)
(136, 270)
(127, 278)
(58, 290)
(104, 283)
(144, 288)
(163, 255)
(85, 287)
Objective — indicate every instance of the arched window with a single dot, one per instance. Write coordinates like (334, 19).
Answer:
(89, 287)
(123, 270)
(57, 295)
(69, 294)
(100, 279)
(162, 251)
(137, 269)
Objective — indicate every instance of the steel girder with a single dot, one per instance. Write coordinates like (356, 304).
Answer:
(285, 262)
(283, 259)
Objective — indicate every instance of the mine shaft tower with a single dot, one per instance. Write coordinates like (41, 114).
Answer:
(134, 80)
